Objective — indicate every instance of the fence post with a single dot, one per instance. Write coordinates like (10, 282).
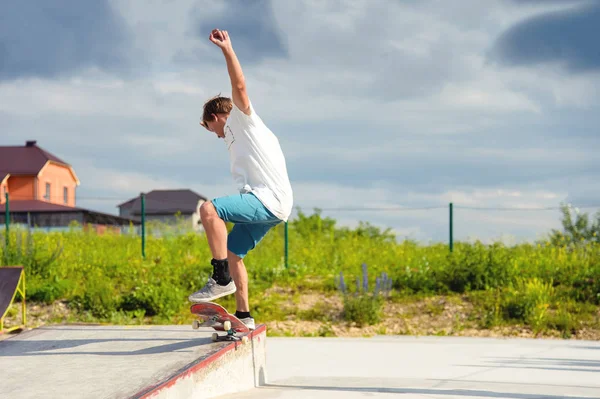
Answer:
(7, 219)
(451, 229)
(143, 196)
(286, 245)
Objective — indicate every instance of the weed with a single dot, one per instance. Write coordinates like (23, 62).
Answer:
(361, 306)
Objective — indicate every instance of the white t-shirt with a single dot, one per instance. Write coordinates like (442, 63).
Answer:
(257, 162)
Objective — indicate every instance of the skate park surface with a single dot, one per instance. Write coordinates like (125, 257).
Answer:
(179, 362)
(429, 367)
(82, 361)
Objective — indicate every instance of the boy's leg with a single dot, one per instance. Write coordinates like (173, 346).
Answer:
(220, 283)
(240, 278)
(242, 239)
(244, 210)
(216, 230)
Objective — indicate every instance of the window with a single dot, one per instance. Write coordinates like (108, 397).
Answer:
(66, 195)
(47, 196)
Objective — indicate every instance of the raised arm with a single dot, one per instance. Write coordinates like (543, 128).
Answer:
(238, 82)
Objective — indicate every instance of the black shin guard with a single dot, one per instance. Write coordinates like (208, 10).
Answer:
(221, 271)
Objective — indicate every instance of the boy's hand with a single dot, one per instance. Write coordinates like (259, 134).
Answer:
(220, 38)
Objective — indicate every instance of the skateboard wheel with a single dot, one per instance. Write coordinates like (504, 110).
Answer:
(227, 325)
(215, 337)
(244, 339)
(196, 324)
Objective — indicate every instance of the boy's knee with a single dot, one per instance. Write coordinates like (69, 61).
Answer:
(232, 257)
(207, 210)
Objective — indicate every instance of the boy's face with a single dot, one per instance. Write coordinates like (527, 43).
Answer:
(216, 124)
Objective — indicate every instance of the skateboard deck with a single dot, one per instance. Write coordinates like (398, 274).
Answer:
(216, 316)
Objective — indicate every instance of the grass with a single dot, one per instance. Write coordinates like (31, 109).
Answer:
(544, 286)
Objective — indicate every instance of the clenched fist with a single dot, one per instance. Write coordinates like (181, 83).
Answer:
(220, 38)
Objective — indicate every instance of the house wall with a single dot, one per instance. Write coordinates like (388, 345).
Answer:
(125, 212)
(171, 219)
(192, 220)
(21, 188)
(196, 223)
(59, 177)
(189, 221)
(101, 229)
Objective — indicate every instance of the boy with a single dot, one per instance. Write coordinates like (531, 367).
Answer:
(259, 169)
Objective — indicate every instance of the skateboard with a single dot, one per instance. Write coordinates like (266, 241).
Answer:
(217, 317)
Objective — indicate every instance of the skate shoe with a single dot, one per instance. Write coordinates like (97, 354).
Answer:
(249, 322)
(212, 291)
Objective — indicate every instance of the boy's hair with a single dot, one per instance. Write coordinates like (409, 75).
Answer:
(216, 105)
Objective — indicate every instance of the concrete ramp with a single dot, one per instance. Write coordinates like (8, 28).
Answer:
(77, 361)
(235, 368)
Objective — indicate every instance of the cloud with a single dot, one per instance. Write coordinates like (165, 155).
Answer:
(59, 38)
(251, 25)
(376, 103)
(547, 2)
(487, 214)
(373, 49)
(567, 37)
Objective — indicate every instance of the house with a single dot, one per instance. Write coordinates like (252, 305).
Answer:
(29, 173)
(42, 190)
(166, 206)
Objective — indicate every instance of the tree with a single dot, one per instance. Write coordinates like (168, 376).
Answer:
(577, 227)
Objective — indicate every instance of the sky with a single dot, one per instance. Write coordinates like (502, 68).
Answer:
(386, 110)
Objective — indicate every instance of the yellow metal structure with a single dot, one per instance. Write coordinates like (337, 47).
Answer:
(21, 290)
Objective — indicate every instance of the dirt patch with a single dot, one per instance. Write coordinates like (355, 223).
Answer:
(37, 315)
(41, 314)
(452, 316)
(312, 300)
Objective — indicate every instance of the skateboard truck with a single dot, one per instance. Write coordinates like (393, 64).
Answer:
(217, 317)
(231, 333)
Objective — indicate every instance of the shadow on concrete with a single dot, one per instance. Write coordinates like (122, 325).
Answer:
(43, 347)
(134, 328)
(558, 361)
(542, 363)
(426, 391)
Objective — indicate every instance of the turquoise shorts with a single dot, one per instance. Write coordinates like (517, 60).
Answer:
(251, 219)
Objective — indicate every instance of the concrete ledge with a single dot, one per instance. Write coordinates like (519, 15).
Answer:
(234, 368)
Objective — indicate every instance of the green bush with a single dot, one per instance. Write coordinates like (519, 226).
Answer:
(49, 291)
(363, 309)
(528, 300)
(563, 321)
(98, 298)
(106, 276)
(162, 299)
